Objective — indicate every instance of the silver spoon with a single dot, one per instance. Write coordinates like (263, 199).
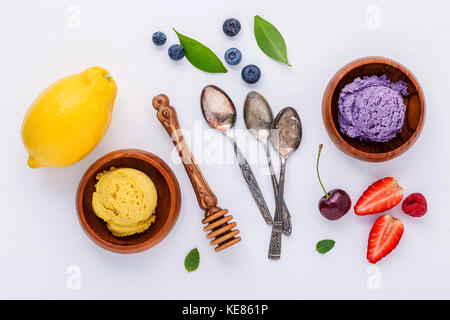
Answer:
(258, 119)
(285, 138)
(220, 113)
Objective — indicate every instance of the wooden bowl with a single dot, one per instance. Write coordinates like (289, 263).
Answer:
(167, 210)
(414, 116)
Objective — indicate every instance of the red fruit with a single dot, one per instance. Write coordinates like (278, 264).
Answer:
(380, 196)
(334, 204)
(415, 205)
(384, 237)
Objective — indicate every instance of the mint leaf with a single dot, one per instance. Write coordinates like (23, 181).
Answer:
(324, 246)
(200, 56)
(192, 260)
(270, 40)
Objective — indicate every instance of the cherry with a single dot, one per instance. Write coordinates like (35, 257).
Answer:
(335, 203)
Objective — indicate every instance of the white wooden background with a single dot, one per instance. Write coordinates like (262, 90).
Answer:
(44, 250)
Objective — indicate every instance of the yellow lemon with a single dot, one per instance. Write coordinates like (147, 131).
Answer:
(69, 118)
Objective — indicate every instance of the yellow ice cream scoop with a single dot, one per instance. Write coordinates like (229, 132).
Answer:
(126, 200)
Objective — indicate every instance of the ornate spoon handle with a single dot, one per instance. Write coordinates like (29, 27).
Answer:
(275, 239)
(251, 182)
(285, 214)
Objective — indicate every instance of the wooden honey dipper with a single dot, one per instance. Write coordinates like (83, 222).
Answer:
(216, 219)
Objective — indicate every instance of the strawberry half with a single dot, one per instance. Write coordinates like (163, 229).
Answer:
(380, 196)
(384, 237)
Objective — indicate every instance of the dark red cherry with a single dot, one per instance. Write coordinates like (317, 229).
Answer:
(336, 205)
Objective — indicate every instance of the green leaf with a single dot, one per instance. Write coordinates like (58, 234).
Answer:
(192, 260)
(200, 56)
(270, 40)
(324, 246)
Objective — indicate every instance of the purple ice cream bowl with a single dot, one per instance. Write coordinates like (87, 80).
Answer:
(414, 116)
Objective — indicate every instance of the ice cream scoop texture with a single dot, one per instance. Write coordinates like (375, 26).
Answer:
(372, 108)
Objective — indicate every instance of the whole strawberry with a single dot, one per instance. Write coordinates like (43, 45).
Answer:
(415, 205)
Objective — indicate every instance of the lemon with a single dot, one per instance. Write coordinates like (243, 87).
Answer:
(69, 118)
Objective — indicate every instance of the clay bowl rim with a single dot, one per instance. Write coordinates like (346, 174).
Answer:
(332, 130)
(174, 190)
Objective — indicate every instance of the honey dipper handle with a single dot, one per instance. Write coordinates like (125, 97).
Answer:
(167, 115)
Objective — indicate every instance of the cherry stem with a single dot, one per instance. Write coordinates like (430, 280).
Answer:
(318, 175)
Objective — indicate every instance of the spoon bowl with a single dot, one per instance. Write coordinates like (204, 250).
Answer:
(217, 108)
(258, 116)
(287, 132)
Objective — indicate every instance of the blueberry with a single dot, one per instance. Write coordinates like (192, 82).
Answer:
(233, 56)
(251, 73)
(176, 52)
(159, 38)
(231, 27)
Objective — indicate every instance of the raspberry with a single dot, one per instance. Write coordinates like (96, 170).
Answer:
(415, 205)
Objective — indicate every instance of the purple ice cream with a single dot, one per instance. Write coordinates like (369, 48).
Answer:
(372, 108)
